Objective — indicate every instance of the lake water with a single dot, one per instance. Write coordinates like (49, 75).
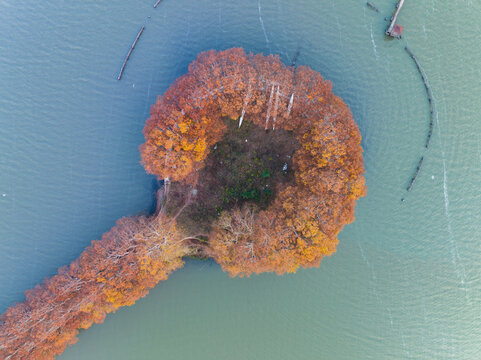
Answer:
(405, 282)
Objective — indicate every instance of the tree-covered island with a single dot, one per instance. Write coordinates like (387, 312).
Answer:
(262, 166)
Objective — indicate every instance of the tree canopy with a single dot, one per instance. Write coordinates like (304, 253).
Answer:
(262, 166)
(301, 224)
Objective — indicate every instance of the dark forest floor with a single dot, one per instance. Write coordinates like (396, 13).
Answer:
(248, 165)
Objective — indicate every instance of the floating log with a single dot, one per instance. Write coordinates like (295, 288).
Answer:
(430, 132)
(130, 52)
(428, 93)
(431, 115)
(296, 56)
(393, 29)
(413, 179)
(372, 6)
(157, 3)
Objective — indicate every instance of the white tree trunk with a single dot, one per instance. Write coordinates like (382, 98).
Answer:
(269, 107)
(289, 108)
(246, 101)
(275, 108)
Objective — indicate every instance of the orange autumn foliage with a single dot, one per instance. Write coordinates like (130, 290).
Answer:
(300, 227)
(131, 258)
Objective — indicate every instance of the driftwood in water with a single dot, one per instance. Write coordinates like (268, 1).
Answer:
(372, 6)
(428, 93)
(296, 56)
(413, 179)
(130, 52)
(389, 30)
(431, 115)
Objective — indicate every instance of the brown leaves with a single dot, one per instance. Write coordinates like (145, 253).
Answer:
(116, 271)
(298, 229)
(301, 226)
